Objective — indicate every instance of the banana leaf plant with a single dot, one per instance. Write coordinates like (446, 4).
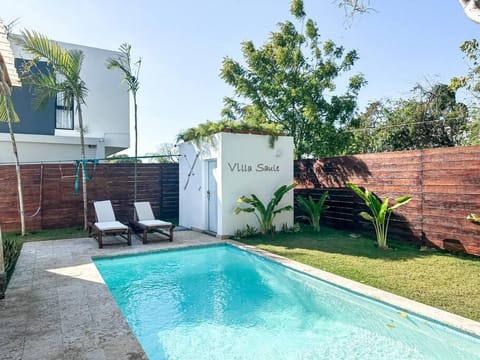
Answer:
(313, 209)
(265, 213)
(380, 211)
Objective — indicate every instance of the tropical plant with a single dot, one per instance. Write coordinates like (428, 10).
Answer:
(380, 212)
(8, 115)
(291, 81)
(61, 77)
(207, 129)
(11, 250)
(123, 62)
(265, 213)
(313, 209)
(474, 218)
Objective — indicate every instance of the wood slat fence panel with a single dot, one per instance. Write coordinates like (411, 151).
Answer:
(444, 185)
(60, 207)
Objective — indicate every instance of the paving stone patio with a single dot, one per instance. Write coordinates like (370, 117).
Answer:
(58, 307)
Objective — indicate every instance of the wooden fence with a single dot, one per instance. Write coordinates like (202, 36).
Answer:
(444, 185)
(49, 193)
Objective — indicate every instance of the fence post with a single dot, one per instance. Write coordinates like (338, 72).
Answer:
(3, 276)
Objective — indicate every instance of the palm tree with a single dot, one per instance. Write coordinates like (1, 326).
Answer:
(8, 114)
(62, 77)
(123, 62)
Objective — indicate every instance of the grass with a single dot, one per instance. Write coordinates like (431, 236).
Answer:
(445, 281)
(53, 234)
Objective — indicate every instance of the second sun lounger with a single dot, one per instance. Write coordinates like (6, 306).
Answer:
(148, 224)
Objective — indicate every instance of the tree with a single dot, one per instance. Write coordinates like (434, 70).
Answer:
(8, 114)
(123, 62)
(62, 77)
(431, 118)
(123, 158)
(166, 153)
(470, 7)
(290, 80)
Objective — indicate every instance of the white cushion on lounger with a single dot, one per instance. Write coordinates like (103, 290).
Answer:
(104, 211)
(150, 223)
(110, 225)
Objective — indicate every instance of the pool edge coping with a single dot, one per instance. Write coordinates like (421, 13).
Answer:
(454, 321)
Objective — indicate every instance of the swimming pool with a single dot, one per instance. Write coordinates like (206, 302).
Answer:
(219, 302)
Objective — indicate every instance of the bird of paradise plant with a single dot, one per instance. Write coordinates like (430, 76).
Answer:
(380, 211)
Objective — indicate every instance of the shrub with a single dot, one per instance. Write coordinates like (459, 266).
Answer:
(265, 213)
(312, 209)
(380, 212)
(11, 250)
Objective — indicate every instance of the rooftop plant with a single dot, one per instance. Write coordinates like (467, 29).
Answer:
(209, 128)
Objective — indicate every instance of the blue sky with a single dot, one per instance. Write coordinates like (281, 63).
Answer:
(182, 44)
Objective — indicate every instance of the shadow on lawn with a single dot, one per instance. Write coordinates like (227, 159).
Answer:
(335, 241)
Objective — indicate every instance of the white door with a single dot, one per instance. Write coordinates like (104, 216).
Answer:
(212, 196)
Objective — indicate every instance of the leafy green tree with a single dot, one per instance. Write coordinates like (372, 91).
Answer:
(123, 62)
(166, 153)
(429, 119)
(123, 158)
(364, 130)
(290, 80)
(62, 77)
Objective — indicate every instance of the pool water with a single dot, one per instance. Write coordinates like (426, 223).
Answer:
(220, 302)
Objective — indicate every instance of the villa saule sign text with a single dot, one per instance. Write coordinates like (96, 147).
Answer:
(259, 167)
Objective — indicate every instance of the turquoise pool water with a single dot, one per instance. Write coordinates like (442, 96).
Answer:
(224, 303)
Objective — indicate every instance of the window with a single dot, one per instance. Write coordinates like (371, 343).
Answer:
(63, 113)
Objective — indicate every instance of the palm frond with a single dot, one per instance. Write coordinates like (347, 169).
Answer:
(7, 110)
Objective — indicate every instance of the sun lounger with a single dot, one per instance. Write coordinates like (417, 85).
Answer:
(107, 225)
(147, 223)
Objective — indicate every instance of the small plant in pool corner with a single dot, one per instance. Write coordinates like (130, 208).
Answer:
(265, 213)
(380, 212)
(313, 209)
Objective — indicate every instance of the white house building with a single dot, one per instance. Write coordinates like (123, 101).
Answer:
(52, 133)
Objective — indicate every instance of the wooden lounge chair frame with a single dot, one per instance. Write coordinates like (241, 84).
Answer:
(147, 223)
(107, 225)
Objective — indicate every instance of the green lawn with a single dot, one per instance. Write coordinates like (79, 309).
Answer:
(446, 281)
(53, 234)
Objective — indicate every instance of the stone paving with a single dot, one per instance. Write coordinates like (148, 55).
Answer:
(58, 307)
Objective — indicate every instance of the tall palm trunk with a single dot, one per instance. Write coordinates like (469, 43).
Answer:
(83, 170)
(136, 147)
(17, 170)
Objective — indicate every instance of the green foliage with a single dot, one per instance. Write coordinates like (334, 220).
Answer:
(122, 158)
(470, 81)
(207, 129)
(265, 213)
(380, 212)
(313, 209)
(11, 250)
(474, 218)
(430, 118)
(63, 75)
(248, 231)
(7, 111)
(290, 81)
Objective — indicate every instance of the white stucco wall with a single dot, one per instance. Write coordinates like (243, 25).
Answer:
(35, 148)
(246, 164)
(106, 114)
